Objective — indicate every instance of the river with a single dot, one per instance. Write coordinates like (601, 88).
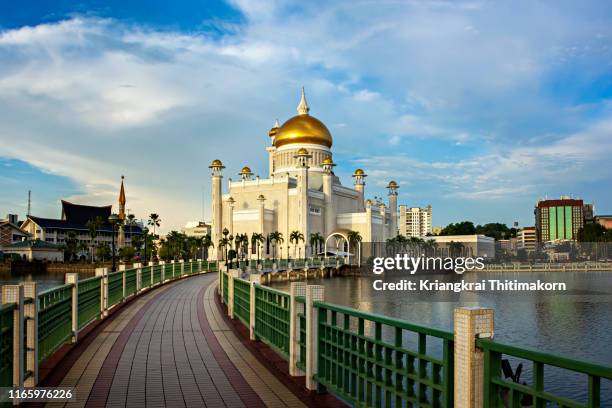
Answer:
(576, 323)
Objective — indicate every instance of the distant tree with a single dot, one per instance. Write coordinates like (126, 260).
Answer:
(295, 237)
(496, 230)
(103, 251)
(256, 240)
(93, 226)
(521, 254)
(154, 221)
(455, 249)
(316, 242)
(70, 246)
(127, 253)
(594, 233)
(206, 244)
(277, 238)
(460, 228)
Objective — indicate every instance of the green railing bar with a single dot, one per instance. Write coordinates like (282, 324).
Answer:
(389, 321)
(546, 358)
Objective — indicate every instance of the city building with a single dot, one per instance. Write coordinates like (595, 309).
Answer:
(35, 250)
(471, 245)
(604, 220)
(510, 244)
(196, 229)
(299, 193)
(436, 230)
(559, 219)
(10, 231)
(415, 221)
(74, 219)
(527, 238)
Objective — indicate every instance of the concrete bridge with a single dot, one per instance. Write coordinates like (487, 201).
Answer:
(196, 334)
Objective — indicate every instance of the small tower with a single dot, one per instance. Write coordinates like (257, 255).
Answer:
(302, 157)
(217, 207)
(262, 220)
(330, 210)
(393, 207)
(359, 177)
(121, 215)
(271, 149)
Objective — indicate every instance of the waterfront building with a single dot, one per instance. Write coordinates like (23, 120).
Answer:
(196, 229)
(559, 219)
(604, 220)
(471, 245)
(10, 231)
(415, 221)
(527, 238)
(510, 244)
(300, 193)
(74, 219)
(35, 250)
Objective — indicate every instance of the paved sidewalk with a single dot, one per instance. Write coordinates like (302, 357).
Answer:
(170, 347)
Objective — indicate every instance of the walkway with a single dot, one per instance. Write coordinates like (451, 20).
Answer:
(171, 347)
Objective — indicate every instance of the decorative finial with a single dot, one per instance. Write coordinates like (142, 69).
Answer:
(303, 107)
(276, 124)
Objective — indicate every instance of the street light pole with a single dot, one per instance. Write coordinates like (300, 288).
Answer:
(112, 220)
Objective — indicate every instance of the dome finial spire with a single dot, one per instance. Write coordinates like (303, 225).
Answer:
(303, 107)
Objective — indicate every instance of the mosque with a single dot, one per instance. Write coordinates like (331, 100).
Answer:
(301, 193)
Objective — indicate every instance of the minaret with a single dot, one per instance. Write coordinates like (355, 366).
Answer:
(271, 149)
(330, 210)
(393, 208)
(230, 214)
(359, 177)
(302, 157)
(383, 216)
(121, 215)
(217, 208)
(262, 220)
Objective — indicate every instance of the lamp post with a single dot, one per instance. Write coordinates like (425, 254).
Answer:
(113, 219)
(145, 234)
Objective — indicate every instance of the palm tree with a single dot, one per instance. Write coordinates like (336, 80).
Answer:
(354, 238)
(276, 237)
(154, 221)
(455, 248)
(223, 244)
(316, 240)
(93, 226)
(295, 237)
(430, 246)
(256, 239)
(206, 244)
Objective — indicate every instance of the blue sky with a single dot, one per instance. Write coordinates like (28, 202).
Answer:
(475, 107)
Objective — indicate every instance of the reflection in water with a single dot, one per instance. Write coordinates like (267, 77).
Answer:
(576, 323)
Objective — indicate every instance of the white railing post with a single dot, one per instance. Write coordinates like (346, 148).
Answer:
(162, 278)
(151, 264)
(103, 272)
(14, 294)
(313, 293)
(172, 267)
(122, 270)
(296, 308)
(30, 290)
(255, 279)
(73, 278)
(138, 267)
(182, 266)
(233, 273)
(200, 266)
(470, 324)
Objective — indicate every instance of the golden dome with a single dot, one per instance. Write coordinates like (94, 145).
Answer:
(392, 184)
(274, 129)
(303, 128)
(261, 197)
(216, 163)
(246, 170)
(327, 160)
(302, 152)
(359, 172)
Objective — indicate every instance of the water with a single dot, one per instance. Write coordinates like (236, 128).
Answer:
(576, 323)
(45, 280)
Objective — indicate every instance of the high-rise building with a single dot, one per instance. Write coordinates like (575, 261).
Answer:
(559, 219)
(527, 238)
(414, 221)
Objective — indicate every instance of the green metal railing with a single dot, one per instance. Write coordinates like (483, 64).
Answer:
(371, 370)
(497, 389)
(212, 266)
(242, 300)
(89, 301)
(156, 271)
(6, 344)
(272, 310)
(130, 282)
(115, 288)
(225, 287)
(145, 277)
(301, 363)
(54, 319)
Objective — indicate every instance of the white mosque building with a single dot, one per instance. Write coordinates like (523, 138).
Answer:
(301, 193)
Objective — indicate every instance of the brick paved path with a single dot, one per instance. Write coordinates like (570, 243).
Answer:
(170, 347)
